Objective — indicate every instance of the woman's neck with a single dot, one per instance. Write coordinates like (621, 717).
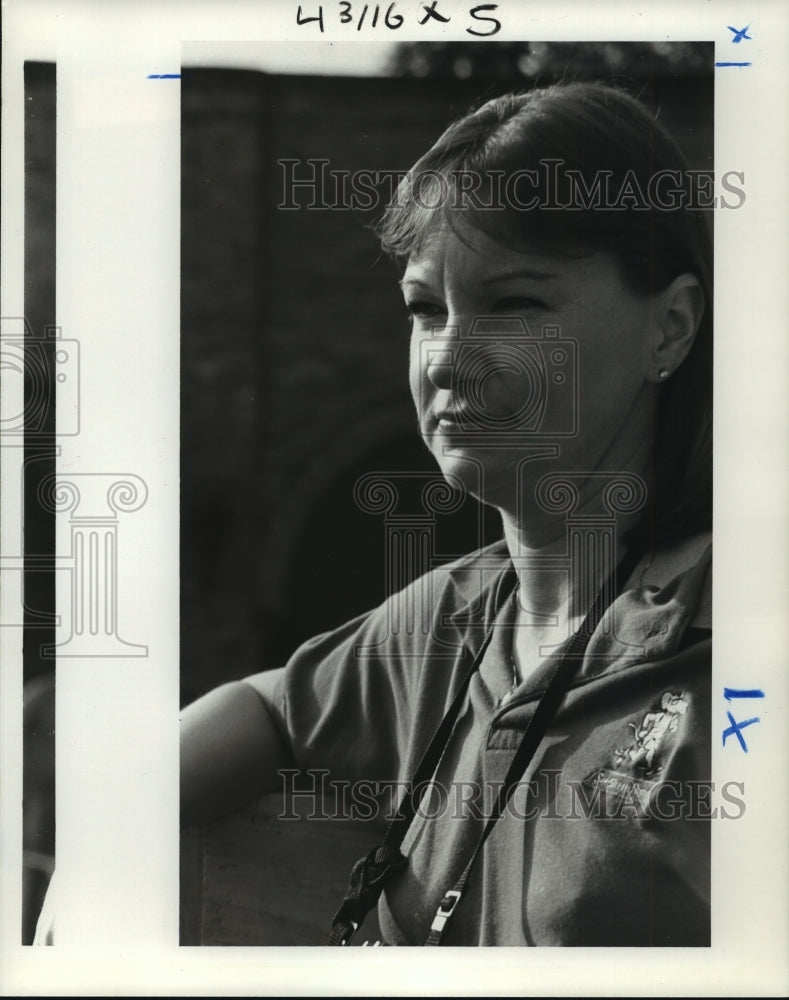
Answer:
(561, 564)
(564, 552)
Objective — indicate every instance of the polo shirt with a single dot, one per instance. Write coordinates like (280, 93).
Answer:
(607, 838)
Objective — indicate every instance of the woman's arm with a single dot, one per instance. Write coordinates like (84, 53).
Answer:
(230, 749)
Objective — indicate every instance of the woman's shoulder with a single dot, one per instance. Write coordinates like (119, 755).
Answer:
(495, 555)
(467, 577)
(446, 588)
(688, 561)
(463, 576)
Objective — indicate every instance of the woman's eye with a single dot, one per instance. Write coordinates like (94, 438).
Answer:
(420, 309)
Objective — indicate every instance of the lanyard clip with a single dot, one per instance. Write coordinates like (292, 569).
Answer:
(445, 910)
(349, 932)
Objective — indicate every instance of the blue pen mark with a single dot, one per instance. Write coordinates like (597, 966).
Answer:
(731, 693)
(734, 730)
(733, 64)
(164, 76)
(740, 34)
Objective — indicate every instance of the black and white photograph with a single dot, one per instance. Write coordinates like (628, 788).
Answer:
(377, 381)
(514, 232)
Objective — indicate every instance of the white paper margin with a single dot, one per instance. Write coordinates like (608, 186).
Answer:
(117, 292)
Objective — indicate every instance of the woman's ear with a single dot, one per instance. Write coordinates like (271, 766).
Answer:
(678, 313)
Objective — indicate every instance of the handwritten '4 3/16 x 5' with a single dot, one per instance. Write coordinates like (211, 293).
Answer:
(480, 16)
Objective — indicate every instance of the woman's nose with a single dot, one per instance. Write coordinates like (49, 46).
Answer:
(439, 366)
(440, 355)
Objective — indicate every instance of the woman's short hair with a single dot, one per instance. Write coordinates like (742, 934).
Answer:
(576, 168)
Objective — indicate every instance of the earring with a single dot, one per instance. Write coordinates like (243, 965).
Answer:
(662, 374)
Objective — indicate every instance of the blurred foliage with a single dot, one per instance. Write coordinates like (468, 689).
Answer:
(548, 61)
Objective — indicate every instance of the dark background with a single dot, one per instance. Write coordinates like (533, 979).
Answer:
(294, 337)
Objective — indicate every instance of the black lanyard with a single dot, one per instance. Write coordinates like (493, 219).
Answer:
(371, 873)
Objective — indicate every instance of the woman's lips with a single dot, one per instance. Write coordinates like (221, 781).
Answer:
(450, 420)
(460, 421)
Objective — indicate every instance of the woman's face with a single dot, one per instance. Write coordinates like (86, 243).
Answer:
(526, 356)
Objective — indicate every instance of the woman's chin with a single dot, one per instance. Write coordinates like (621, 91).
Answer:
(469, 472)
(499, 478)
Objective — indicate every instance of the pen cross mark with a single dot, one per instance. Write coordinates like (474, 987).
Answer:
(740, 34)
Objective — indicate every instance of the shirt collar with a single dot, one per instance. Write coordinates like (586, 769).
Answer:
(644, 622)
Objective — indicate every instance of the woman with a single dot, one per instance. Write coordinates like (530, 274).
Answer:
(558, 283)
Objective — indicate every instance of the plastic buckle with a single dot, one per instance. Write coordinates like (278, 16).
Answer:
(354, 928)
(445, 910)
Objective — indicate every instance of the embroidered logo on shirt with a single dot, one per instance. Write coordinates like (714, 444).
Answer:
(622, 788)
(650, 734)
(636, 767)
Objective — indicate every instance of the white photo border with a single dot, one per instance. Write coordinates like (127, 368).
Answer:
(118, 175)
